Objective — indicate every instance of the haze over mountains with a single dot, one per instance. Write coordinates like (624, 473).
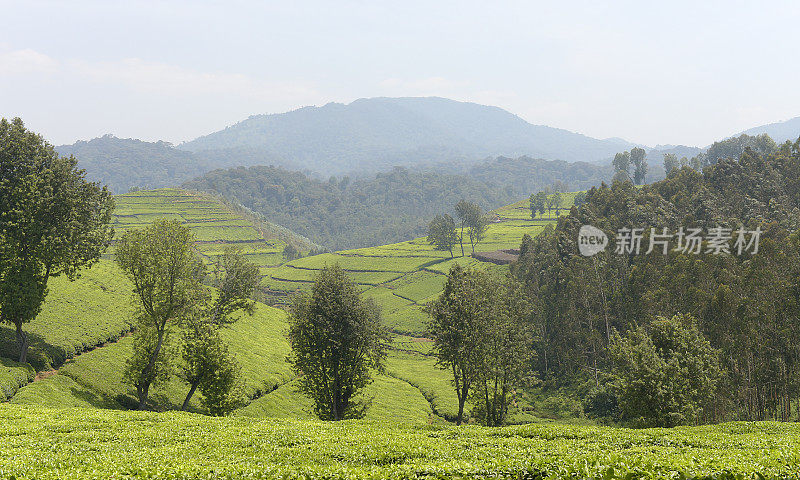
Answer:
(363, 137)
(382, 132)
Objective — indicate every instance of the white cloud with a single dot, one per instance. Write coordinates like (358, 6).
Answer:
(26, 61)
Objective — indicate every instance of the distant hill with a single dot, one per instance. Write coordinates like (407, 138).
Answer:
(376, 133)
(779, 131)
(125, 163)
(122, 163)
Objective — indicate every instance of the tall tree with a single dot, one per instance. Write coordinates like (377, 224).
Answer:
(463, 212)
(166, 272)
(507, 352)
(671, 163)
(456, 325)
(52, 222)
(442, 233)
(477, 225)
(639, 161)
(538, 204)
(336, 339)
(205, 356)
(622, 164)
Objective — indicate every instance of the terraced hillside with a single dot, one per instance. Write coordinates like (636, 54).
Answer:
(403, 277)
(215, 222)
(96, 311)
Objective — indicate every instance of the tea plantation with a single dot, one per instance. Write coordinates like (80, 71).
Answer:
(42, 443)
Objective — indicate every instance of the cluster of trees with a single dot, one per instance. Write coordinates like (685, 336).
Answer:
(168, 274)
(349, 213)
(636, 158)
(551, 198)
(746, 306)
(480, 326)
(444, 233)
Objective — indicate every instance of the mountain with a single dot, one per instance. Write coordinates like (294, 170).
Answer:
(376, 133)
(125, 163)
(779, 131)
(122, 163)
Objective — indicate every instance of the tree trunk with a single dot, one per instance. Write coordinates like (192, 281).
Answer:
(143, 391)
(22, 342)
(461, 239)
(189, 396)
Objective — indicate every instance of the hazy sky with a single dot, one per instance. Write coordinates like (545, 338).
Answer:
(679, 72)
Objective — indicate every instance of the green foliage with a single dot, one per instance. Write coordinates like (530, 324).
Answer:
(336, 339)
(442, 233)
(166, 274)
(457, 322)
(664, 375)
(52, 222)
(506, 352)
(736, 298)
(96, 443)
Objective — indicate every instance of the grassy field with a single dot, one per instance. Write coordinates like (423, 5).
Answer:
(76, 316)
(83, 443)
(257, 341)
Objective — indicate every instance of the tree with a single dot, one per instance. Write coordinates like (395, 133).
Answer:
(464, 211)
(556, 200)
(336, 339)
(166, 273)
(664, 374)
(52, 222)
(538, 204)
(456, 325)
(507, 352)
(671, 163)
(639, 161)
(478, 224)
(207, 364)
(622, 163)
(290, 252)
(580, 199)
(442, 233)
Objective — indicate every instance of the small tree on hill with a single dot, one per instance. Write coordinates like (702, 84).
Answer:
(442, 233)
(478, 224)
(52, 222)
(336, 339)
(166, 273)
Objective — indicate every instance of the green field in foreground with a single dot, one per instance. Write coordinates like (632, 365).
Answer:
(45, 443)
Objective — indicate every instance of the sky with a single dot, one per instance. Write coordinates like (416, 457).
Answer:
(677, 72)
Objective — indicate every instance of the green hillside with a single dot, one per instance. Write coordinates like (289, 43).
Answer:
(96, 310)
(402, 277)
(215, 222)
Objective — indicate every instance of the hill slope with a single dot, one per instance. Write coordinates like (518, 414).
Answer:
(778, 131)
(376, 133)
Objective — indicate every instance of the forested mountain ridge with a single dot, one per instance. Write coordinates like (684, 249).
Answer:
(378, 133)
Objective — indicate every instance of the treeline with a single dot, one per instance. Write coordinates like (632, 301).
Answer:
(634, 324)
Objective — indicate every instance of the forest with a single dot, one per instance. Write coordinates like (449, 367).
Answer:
(600, 320)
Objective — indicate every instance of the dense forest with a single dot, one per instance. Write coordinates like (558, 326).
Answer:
(389, 207)
(593, 314)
